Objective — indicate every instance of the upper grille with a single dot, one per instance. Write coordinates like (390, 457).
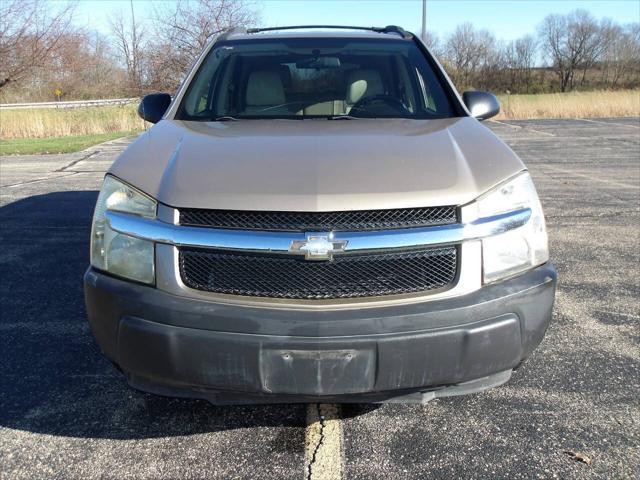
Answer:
(346, 276)
(320, 221)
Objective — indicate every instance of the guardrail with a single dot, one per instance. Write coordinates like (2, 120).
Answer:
(71, 104)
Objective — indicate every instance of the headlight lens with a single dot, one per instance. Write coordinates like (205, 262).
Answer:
(114, 252)
(518, 249)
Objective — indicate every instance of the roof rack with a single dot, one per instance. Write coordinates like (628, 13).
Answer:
(388, 29)
(231, 31)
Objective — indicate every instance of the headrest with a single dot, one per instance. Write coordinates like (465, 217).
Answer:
(363, 83)
(264, 87)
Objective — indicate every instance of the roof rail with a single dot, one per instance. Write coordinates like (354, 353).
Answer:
(388, 29)
(231, 31)
(396, 29)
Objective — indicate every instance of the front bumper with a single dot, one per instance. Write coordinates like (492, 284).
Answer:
(179, 346)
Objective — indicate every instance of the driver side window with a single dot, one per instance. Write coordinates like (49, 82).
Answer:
(198, 99)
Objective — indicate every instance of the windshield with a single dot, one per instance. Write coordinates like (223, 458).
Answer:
(302, 78)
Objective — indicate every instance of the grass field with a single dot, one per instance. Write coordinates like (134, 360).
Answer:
(624, 103)
(29, 146)
(66, 130)
(51, 122)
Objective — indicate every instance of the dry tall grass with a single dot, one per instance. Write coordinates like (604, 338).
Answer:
(43, 123)
(624, 103)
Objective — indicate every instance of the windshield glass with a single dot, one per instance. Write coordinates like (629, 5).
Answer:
(315, 77)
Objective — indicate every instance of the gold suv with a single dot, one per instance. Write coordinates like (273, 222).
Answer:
(318, 215)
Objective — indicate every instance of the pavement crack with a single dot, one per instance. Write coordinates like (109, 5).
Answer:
(323, 443)
(78, 160)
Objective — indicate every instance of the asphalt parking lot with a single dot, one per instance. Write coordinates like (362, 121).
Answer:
(65, 412)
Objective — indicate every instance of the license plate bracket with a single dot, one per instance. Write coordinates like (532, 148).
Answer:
(317, 372)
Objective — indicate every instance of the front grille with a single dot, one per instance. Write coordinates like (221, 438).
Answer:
(346, 276)
(320, 221)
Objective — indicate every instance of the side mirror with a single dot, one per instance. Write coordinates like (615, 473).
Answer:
(153, 106)
(482, 105)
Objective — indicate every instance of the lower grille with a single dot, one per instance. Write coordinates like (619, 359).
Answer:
(346, 276)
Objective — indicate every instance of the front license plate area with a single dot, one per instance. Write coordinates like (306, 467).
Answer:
(317, 372)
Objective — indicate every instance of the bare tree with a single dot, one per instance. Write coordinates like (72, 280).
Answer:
(468, 51)
(553, 33)
(614, 34)
(519, 58)
(433, 43)
(130, 38)
(569, 41)
(489, 73)
(29, 33)
(41, 52)
(462, 53)
(622, 55)
(83, 66)
(510, 59)
(597, 43)
(183, 30)
(629, 52)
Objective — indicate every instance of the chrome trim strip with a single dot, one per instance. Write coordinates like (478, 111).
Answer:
(279, 242)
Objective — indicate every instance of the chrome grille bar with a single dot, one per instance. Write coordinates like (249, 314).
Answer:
(279, 242)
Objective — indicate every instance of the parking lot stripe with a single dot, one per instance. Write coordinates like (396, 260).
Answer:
(323, 443)
(525, 128)
(38, 180)
(608, 123)
(515, 127)
(593, 178)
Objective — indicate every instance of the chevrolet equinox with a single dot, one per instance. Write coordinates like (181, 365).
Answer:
(318, 215)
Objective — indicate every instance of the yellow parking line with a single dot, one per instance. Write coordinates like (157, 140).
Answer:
(323, 443)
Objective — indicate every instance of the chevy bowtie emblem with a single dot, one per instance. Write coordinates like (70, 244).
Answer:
(318, 246)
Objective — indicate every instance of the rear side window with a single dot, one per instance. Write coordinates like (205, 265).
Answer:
(316, 77)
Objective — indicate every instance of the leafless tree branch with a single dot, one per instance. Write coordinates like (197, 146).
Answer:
(29, 34)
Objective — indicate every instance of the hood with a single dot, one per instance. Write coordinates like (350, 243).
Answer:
(317, 165)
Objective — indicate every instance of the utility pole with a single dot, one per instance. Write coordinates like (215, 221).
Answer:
(424, 20)
(135, 51)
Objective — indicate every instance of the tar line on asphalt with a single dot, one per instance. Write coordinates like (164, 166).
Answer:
(323, 442)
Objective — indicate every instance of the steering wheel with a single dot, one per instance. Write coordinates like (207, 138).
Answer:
(363, 105)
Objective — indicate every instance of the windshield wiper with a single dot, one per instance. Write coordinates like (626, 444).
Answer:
(342, 117)
(275, 107)
(226, 118)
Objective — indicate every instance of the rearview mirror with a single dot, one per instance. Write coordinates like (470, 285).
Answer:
(153, 106)
(319, 63)
(481, 105)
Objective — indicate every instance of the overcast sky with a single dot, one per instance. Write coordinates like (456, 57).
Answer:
(506, 19)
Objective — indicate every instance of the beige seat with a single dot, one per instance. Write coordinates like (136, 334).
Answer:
(265, 90)
(361, 84)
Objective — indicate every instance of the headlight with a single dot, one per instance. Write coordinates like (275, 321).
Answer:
(114, 252)
(518, 249)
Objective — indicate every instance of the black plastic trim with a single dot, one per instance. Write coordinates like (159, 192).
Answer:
(189, 347)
